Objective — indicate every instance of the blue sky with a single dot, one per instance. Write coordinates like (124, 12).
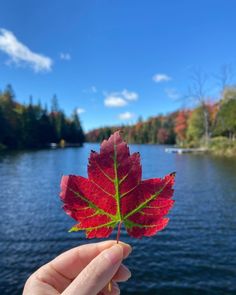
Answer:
(113, 60)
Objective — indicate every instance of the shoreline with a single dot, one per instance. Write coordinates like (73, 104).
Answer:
(221, 149)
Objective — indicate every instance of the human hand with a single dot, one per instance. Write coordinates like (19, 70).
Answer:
(84, 270)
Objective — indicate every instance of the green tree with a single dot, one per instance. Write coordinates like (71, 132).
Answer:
(31, 126)
(196, 127)
(10, 118)
(76, 131)
(226, 117)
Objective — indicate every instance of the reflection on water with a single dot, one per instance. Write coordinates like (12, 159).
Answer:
(194, 255)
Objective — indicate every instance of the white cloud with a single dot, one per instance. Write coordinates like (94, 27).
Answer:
(80, 111)
(129, 95)
(172, 93)
(90, 90)
(93, 89)
(119, 99)
(126, 116)
(21, 55)
(114, 101)
(158, 78)
(65, 56)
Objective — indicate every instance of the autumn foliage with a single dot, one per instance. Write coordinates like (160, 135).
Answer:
(181, 125)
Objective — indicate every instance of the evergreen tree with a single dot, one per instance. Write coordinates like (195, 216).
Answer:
(31, 126)
(10, 117)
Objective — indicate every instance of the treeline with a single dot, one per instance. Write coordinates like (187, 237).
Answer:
(187, 127)
(32, 126)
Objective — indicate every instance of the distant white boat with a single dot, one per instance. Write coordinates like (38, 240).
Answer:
(53, 145)
(185, 150)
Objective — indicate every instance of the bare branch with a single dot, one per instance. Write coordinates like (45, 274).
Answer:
(225, 76)
(198, 88)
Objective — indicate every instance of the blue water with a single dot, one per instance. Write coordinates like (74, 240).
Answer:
(195, 254)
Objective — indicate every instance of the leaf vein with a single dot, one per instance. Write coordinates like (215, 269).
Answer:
(103, 172)
(142, 205)
(102, 189)
(92, 204)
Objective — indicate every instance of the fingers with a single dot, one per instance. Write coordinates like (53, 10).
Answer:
(37, 287)
(98, 273)
(45, 279)
(122, 275)
(115, 290)
(72, 262)
(58, 274)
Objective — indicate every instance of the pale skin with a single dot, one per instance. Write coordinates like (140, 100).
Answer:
(84, 270)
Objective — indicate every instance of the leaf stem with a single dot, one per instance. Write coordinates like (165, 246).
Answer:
(118, 232)
(117, 241)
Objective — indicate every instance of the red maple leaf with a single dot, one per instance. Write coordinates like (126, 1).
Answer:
(114, 193)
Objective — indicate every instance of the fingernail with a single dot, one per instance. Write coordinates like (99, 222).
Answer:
(126, 245)
(128, 249)
(126, 271)
(114, 254)
(115, 289)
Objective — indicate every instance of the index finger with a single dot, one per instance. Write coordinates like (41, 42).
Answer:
(72, 262)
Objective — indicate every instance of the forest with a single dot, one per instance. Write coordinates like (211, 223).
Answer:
(209, 124)
(33, 126)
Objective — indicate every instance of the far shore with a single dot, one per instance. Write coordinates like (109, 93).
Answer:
(219, 147)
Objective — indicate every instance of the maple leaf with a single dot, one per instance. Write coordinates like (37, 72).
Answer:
(114, 193)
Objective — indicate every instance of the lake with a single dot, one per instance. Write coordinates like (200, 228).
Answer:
(195, 254)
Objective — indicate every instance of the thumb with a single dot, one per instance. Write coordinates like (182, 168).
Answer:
(98, 273)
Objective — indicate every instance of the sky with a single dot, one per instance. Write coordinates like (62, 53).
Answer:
(113, 60)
